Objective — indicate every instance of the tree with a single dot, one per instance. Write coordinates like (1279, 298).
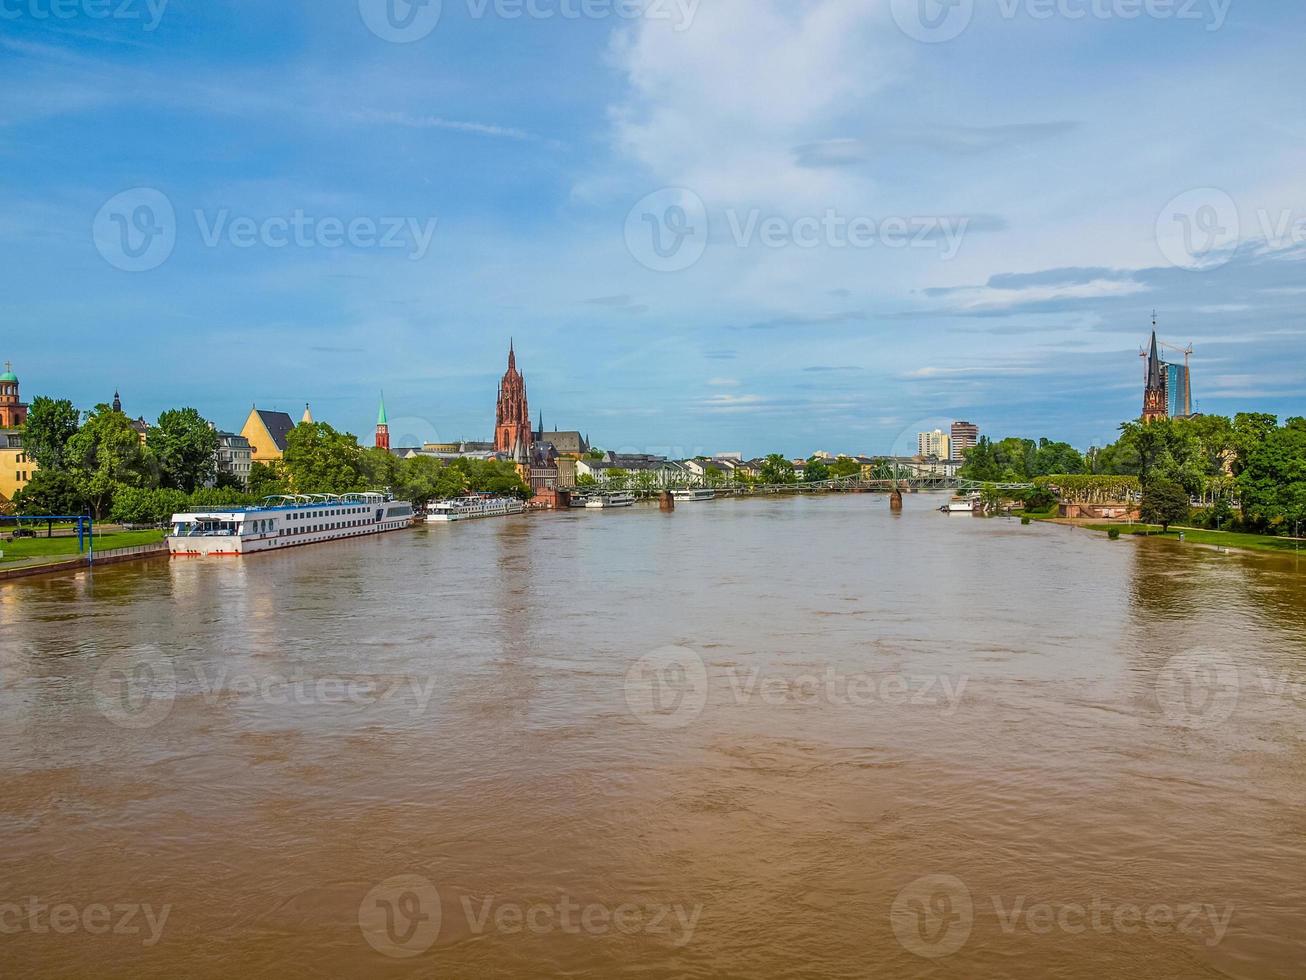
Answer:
(1250, 430)
(318, 459)
(777, 470)
(51, 492)
(844, 467)
(50, 424)
(185, 446)
(134, 505)
(106, 454)
(1164, 502)
(266, 480)
(1273, 483)
(816, 471)
(423, 479)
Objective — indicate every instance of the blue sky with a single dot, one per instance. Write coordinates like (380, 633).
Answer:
(718, 225)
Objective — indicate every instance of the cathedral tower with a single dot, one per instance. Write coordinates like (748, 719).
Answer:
(382, 428)
(512, 424)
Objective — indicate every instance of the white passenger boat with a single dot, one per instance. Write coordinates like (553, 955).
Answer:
(959, 505)
(580, 500)
(285, 522)
(472, 508)
(696, 493)
(603, 501)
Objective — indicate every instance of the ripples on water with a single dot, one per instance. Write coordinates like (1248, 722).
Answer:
(1017, 723)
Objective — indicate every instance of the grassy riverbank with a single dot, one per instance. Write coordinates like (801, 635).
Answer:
(1220, 539)
(67, 547)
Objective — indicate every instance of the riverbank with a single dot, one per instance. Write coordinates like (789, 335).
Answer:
(1194, 535)
(65, 546)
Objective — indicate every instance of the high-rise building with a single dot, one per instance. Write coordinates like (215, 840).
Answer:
(512, 426)
(936, 444)
(1178, 391)
(965, 435)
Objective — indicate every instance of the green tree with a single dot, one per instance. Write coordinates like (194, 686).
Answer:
(318, 459)
(1273, 483)
(105, 454)
(816, 471)
(51, 423)
(184, 445)
(380, 469)
(1165, 502)
(1056, 457)
(267, 479)
(777, 470)
(844, 467)
(1250, 430)
(51, 492)
(135, 505)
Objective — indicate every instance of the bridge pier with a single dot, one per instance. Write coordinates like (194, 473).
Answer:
(895, 501)
(666, 502)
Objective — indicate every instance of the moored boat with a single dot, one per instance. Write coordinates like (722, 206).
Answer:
(959, 505)
(472, 508)
(694, 493)
(602, 501)
(285, 522)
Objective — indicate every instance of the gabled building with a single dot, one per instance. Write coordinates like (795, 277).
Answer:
(266, 432)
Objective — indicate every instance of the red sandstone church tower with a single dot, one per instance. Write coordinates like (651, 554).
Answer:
(382, 428)
(512, 425)
(1154, 406)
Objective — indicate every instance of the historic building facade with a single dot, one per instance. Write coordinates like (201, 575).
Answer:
(512, 423)
(16, 468)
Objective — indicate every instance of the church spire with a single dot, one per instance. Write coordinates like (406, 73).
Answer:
(382, 427)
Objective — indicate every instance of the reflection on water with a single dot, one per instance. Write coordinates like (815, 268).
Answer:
(771, 738)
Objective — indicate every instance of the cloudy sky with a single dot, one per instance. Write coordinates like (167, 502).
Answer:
(708, 225)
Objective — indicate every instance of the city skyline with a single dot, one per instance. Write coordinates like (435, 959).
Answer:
(513, 197)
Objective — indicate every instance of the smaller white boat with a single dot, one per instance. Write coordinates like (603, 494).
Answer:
(696, 493)
(603, 501)
(472, 508)
(959, 505)
(580, 500)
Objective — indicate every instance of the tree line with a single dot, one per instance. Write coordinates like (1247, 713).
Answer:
(1245, 473)
(96, 463)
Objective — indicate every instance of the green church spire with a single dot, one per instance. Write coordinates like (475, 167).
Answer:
(380, 416)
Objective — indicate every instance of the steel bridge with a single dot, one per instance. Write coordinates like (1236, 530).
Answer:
(907, 484)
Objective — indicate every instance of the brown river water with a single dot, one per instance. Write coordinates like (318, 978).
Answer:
(766, 738)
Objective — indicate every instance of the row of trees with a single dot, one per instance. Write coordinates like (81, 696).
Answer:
(84, 460)
(1250, 460)
(96, 462)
